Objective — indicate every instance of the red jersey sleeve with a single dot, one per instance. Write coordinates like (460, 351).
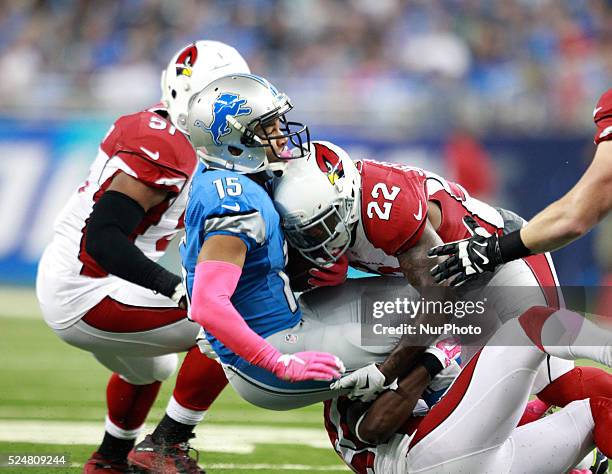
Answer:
(602, 116)
(151, 150)
(394, 205)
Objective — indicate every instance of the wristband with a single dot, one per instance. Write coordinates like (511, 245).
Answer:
(432, 364)
(511, 247)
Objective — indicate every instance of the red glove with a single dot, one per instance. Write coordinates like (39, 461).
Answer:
(333, 274)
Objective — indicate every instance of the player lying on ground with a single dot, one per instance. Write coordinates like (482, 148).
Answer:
(473, 428)
(99, 286)
(275, 354)
(564, 221)
(384, 218)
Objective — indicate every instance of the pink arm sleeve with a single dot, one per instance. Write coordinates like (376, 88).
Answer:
(213, 286)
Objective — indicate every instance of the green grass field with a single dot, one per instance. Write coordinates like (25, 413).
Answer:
(48, 386)
(52, 401)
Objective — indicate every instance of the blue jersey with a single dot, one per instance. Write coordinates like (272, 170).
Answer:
(228, 203)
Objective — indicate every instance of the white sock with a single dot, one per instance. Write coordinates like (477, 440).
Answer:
(183, 415)
(118, 432)
(570, 335)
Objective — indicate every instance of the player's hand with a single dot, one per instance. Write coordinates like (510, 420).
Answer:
(180, 296)
(364, 384)
(332, 274)
(308, 365)
(468, 258)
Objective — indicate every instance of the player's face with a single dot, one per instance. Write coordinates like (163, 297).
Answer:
(272, 135)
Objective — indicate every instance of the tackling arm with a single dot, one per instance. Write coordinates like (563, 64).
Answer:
(375, 424)
(368, 381)
(577, 212)
(113, 219)
(415, 265)
(559, 224)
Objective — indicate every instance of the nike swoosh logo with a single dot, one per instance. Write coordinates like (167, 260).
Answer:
(596, 110)
(485, 260)
(220, 66)
(419, 215)
(233, 207)
(606, 131)
(150, 154)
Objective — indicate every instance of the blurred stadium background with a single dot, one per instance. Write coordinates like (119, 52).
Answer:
(495, 94)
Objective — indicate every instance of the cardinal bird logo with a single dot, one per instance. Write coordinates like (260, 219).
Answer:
(329, 162)
(186, 59)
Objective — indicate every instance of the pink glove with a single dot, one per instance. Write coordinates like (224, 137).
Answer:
(300, 366)
(331, 275)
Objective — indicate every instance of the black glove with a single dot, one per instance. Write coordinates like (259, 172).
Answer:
(468, 258)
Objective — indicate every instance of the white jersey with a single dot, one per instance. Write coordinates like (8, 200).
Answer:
(147, 147)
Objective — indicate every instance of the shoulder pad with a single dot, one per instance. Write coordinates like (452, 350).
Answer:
(394, 205)
(602, 116)
(153, 138)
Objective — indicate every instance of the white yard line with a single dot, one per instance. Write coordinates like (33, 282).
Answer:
(239, 439)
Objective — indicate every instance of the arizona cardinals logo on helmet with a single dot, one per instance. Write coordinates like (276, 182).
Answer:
(329, 162)
(186, 60)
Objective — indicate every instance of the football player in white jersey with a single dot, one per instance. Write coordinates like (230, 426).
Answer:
(473, 428)
(100, 288)
(384, 218)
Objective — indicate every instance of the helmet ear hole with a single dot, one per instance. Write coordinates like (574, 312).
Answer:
(173, 93)
(235, 151)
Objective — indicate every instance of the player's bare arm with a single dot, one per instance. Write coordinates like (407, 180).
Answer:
(224, 248)
(415, 263)
(572, 216)
(145, 195)
(113, 220)
(376, 423)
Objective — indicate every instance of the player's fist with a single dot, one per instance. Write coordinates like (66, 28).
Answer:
(308, 365)
(180, 296)
(468, 258)
(305, 275)
(364, 384)
(332, 274)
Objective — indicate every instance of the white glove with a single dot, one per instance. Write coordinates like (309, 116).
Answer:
(180, 296)
(365, 383)
(204, 345)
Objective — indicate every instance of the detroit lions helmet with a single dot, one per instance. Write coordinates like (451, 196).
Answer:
(318, 202)
(190, 69)
(228, 122)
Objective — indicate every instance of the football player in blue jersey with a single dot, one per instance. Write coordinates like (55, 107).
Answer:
(275, 354)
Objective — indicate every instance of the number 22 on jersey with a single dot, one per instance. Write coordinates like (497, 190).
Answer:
(388, 196)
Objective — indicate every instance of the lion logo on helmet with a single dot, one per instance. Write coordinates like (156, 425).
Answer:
(226, 105)
(186, 59)
(329, 162)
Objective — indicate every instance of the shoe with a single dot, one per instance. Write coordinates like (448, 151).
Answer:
(600, 464)
(98, 464)
(157, 458)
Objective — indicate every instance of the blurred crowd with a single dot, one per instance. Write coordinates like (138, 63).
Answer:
(526, 66)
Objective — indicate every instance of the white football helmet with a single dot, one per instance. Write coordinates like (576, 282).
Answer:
(191, 69)
(227, 125)
(318, 201)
